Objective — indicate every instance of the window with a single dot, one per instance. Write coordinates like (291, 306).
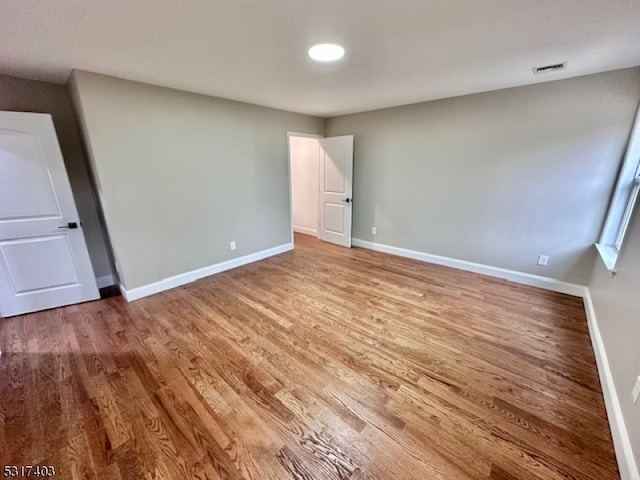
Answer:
(622, 203)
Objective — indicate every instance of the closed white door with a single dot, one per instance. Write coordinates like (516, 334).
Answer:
(44, 262)
(336, 176)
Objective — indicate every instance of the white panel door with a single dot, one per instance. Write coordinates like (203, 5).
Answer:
(336, 176)
(44, 262)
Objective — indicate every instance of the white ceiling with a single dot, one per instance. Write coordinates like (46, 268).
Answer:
(398, 52)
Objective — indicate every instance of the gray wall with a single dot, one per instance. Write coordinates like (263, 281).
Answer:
(495, 178)
(180, 175)
(21, 95)
(617, 306)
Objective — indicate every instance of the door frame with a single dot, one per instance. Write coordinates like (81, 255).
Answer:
(304, 135)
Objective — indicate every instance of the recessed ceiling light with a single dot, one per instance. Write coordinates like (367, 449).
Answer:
(326, 52)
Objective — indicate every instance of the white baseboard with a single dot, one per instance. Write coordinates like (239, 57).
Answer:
(306, 231)
(192, 276)
(512, 275)
(105, 281)
(621, 441)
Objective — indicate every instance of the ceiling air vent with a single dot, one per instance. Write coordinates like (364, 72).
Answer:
(556, 67)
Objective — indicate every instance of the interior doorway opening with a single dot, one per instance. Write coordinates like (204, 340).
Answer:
(304, 173)
(320, 179)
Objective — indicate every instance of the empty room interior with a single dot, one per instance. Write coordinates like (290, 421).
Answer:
(320, 240)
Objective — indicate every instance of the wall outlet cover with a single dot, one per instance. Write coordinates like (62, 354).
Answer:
(543, 260)
(373, 230)
(232, 245)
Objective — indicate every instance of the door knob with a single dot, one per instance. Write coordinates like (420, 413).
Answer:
(70, 226)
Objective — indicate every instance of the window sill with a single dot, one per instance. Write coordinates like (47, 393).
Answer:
(609, 256)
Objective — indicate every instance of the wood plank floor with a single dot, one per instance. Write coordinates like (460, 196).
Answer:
(322, 363)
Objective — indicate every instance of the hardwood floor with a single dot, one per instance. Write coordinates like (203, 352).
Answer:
(322, 363)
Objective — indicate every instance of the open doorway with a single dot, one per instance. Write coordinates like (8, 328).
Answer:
(321, 177)
(304, 170)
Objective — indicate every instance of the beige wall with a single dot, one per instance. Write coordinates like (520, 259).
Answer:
(21, 95)
(495, 178)
(616, 302)
(305, 183)
(181, 175)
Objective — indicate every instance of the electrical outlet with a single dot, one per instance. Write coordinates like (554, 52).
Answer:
(543, 260)
(232, 245)
(635, 393)
(373, 230)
